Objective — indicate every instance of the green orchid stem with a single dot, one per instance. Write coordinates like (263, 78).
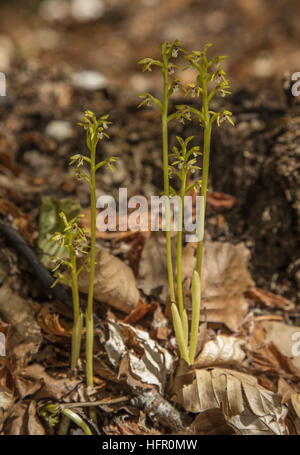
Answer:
(196, 303)
(77, 420)
(179, 246)
(77, 315)
(165, 146)
(89, 321)
(205, 169)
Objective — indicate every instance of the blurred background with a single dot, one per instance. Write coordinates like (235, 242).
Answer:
(261, 37)
(63, 56)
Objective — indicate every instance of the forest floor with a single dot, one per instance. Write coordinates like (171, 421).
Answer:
(246, 376)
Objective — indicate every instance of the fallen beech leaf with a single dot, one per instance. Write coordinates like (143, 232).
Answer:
(269, 299)
(114, 282)
(211, 422)
(282, 336)
(6, 402)
(295, 400)
(139, 312)
(225, 269)
(23, 420)
(221, 351)
(138, 358)
(34, 425)
(14, 423)
(18, 313)
(247, 407)
(152, 274)
(225, 278)
(221, 201)
(51, 326)
(35, 379)
(270, 348)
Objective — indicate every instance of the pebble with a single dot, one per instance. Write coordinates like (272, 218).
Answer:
(59, 130)
(54, 10)
(86, 10)
(89, 80)
(6, 52)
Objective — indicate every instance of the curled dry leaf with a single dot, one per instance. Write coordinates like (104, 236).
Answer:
(221, 351)
(52, 327)
(271, 348)
(247, 407)
(139, 312)
(6, 402)
(211, 422)
(220, 201)
(225, 278)
(114, 282)
(269, 299)
(152, 274)
(23, 420)
(138, 359)
(35, 380)
(17, 312)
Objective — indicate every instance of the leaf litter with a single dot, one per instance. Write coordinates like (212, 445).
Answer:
(246, 380)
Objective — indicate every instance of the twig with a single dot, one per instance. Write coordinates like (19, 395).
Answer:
(167, 415)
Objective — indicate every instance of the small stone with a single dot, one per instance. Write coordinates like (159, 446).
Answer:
(89, 80)
(54, 10)
(6, 52)
(59, 130)
(86, 10)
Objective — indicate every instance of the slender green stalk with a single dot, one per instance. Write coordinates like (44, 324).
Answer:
(196, 303)
(179, 245)
(89, 321)
(77, 420)
(179, 332)
(77, 315)
(205, 165)
(165, 145)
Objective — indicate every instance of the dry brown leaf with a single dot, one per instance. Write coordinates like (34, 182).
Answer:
(137, 358)
(34, 425)
(270, 348)
(295, 399)
(23, 420)
(211, 422)
(220, 201)
(139, 312)
(269, 299)
(282, 335)
(35, 380)
(51, 325)
(6, 402)
(114, 282)
(221, 351)
(225, 278)
(152, 274)
(225, 269)
(17, 312)
(247, 407)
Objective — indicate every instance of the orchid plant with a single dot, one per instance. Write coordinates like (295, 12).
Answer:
(210, 81)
